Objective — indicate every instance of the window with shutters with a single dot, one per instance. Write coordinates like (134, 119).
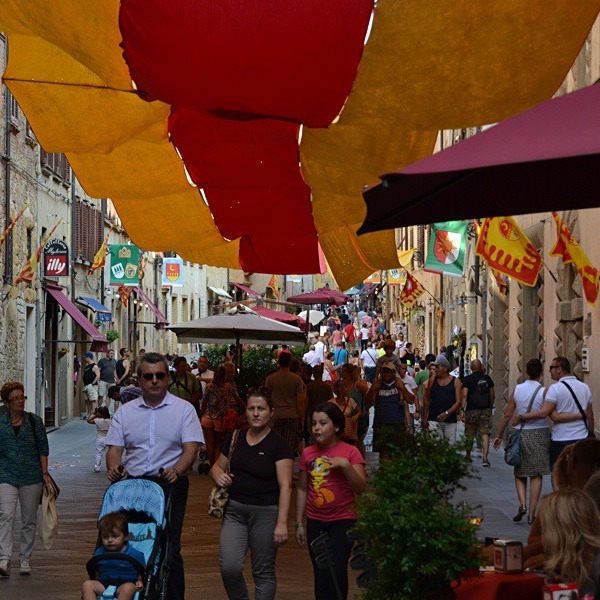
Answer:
(88, 230)
(55, 163)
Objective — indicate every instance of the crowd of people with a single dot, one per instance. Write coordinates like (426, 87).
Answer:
(316, 410)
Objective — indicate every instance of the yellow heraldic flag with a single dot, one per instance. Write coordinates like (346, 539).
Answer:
(28, 270)
(505, 248)
(100, 256)
(274, 286)
(11, 225)
(569, 250)
(411, 291)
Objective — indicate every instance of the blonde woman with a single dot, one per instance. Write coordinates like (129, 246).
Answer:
(571, 540)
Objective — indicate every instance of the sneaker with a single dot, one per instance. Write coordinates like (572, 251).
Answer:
(24, 568)
(4, 568)
(96, 469)
(485, 463)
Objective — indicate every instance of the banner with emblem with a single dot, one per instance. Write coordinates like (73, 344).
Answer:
(124, 264)
(172, 272)
(447, 248)
(396, 277)
(411, 291)
(567, 248)
(506, 249)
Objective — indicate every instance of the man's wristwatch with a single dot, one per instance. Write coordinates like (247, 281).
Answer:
(177, 472)
(446, 413)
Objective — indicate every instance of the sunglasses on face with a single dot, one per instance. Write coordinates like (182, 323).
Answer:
(150, 376)
(17, 398)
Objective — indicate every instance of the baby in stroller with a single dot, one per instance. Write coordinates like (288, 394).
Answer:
(114, 533)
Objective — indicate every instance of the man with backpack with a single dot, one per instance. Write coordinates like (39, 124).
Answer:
(478, 400)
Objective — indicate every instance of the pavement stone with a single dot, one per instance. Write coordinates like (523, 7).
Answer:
(58, 573)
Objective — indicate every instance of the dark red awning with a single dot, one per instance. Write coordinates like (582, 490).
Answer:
(279, 315)
(99, 342)
(160, 318)
(321, 296)
(246, 289)
(543, 159)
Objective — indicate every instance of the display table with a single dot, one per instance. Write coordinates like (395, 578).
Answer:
(490, 586)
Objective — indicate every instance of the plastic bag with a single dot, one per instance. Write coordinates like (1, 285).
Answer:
(48, 517)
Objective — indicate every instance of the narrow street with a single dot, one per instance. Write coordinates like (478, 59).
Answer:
(58, 573)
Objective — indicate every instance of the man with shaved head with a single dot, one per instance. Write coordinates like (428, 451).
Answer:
(478, 401)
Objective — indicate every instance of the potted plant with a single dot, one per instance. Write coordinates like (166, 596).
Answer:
(112, 335)
(419, 542)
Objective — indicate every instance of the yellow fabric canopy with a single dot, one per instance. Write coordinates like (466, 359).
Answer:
(429, 65)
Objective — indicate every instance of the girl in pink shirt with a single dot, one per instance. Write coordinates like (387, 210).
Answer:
(332, 474)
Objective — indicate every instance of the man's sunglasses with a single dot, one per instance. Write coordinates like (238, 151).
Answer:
(150, 376)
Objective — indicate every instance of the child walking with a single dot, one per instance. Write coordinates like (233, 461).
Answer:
(114, 533)
(101, 419)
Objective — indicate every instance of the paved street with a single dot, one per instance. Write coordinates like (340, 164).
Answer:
(57, 574)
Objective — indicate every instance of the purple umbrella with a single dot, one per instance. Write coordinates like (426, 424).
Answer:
(546, 158)
(321, 296)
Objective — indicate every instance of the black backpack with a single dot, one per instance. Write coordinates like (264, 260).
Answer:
(481, 397)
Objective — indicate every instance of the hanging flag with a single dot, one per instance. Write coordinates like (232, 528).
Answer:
(447, 247)
(28, 270)
(274, 286)
(100, 256)
(504, 246)
(405, 257)
(142, 265)
(124, 264)
(172, 272)
(11, 225)
(411, 291)
(501, 280)
(124, 292)
(568, 249)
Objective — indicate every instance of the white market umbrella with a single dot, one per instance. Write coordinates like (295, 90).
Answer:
(316, 316)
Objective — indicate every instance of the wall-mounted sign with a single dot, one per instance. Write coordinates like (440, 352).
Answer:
(56, 259)
(172, 272)
(124, 264)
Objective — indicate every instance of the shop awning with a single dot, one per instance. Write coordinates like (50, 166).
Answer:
(99, 342)
(103, 313)
(144, 298)
(368, 289)
(245, 289)
(219, 292)
(280, 315)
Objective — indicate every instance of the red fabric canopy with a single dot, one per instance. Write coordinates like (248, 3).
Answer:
(321, 296)
(237, 101)
(279, 315)
(160, 318)
(246, 289)
(294, 60)
(543, 159)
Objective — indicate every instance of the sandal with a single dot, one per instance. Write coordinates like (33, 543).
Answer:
(520, 514)
(530, 519)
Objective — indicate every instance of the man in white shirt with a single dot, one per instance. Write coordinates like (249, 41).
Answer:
(368, 362)
(320, 349)
(365, 332)
(312, 358)
(203, 373)
(158, 431)
(400, 343)
(571, 423)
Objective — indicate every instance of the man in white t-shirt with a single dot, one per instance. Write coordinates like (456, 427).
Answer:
(412, 387)
(400, 343)
(571, 423)
(368, 362)
(312, 358)
(203, 373)
(365, 332)
(320, 349)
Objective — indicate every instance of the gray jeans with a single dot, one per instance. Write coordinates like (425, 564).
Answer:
(248, 525)
(29, 499)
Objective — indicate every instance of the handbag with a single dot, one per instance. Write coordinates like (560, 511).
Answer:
(512, 452)
(219, 496)
(52, 483)
(231, 419)
(591, 434)
(48, 517)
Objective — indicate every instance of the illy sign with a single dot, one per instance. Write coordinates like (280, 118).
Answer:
(56, 259)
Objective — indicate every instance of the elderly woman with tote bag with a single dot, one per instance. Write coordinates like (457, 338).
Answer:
(23, 473)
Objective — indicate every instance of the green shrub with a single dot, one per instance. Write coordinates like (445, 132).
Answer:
(420, 542)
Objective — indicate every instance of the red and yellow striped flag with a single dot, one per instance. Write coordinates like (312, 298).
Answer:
(411, 291)
(274, 286)
(505, 248)
(124, 292)
(11, 225)
(100, 256)
(28, 270)
(568, 249)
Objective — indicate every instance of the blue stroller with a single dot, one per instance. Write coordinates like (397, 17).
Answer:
(147, 511)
